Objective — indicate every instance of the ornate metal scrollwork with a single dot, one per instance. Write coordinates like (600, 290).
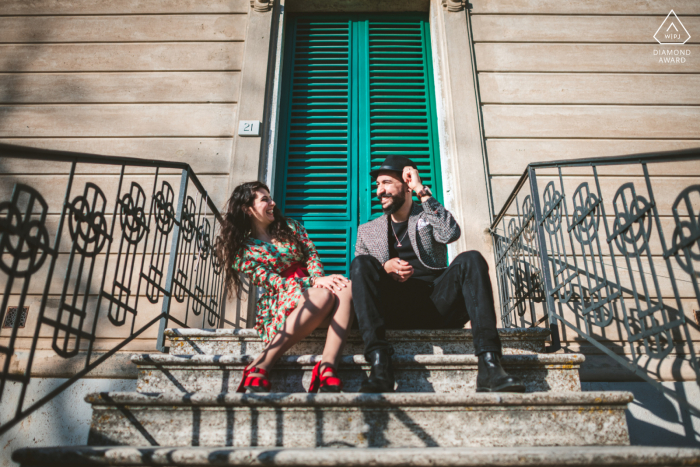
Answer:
(164, 214)
(585, 224)
(586, 216)
(24, 240)
(188, 230)
(518, 266)
(86, 223)
(613, 259)
(132, 215)
(684, 243)
(216, 286)
(632, 229)
(629, 225)
(24, 249)
(88, 231)
(113, 251)
(563, 273)
(132, 219)
(500, 245)
(203, 244)
(204, 239)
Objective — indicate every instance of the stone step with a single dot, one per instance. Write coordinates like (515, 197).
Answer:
(359, 420)
(415, 342)
(556, 456)
(447, 374)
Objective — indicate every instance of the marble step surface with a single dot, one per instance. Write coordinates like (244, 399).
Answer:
(556, 456)
(446, 374)
(415, 342)
(400, 420)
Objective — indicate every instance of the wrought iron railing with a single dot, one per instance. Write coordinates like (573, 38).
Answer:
(611, 252)
(122, 247)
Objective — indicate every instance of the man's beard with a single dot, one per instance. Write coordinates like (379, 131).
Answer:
(397, 202)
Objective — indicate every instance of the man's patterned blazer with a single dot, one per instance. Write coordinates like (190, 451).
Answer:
(430, 227)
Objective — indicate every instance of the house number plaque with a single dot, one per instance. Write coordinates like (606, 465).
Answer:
(249, 128)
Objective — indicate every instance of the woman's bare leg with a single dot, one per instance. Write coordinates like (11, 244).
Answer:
(311, 311)
(339, 326)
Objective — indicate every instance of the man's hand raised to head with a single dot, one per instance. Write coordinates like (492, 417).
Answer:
(398, 270)
(412, 179)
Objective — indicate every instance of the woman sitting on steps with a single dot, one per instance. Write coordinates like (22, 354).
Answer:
(277, 254)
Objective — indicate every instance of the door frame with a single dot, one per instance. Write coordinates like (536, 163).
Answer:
(463, 156)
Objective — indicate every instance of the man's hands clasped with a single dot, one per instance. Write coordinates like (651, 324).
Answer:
(398, 269)
(334, 282)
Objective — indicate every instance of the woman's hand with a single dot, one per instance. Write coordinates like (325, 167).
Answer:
(334, 283)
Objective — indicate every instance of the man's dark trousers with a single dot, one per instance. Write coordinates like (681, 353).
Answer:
(461, 293)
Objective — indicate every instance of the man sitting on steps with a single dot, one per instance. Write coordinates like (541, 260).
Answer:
(400, 280)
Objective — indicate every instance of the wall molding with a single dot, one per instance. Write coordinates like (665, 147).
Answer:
(262, 6)
(454, 5)
(462, 144)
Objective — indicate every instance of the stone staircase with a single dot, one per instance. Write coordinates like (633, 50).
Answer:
(185, 400)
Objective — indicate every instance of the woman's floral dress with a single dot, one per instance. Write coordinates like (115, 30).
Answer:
(263, 262)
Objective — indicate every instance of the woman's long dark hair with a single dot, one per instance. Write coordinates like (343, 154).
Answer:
(236, 228)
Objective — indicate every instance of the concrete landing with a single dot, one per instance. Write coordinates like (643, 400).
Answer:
(360, 420)
(418, 342)
(612, 456)
(447, 374)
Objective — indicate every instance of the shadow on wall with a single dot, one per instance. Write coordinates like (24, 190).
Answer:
(10, 82)
(653, 418)
(10, 89)
(65, 421)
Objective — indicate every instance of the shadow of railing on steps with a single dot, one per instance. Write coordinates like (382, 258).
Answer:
(608, 247)
(257, 420)
(95, 252)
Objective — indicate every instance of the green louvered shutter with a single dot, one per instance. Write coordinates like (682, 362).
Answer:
(355, 89)
(401, 103)
(317, 167)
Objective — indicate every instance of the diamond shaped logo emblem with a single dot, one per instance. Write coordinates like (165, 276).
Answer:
(672, 31)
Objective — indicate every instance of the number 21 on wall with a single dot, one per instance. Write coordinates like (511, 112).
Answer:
(249, 128)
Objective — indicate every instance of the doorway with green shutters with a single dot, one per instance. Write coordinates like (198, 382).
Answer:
(355, 88)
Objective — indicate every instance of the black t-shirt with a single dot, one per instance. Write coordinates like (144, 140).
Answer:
(405, 251)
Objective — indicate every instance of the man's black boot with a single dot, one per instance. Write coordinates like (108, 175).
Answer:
(381, 377)
(493, 378)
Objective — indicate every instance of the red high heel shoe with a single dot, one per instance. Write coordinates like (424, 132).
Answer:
(254, 383)
(320, 382)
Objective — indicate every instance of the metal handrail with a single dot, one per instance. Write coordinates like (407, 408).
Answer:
(24, 152)
(557, 260)
(162, 251)
(647, 157)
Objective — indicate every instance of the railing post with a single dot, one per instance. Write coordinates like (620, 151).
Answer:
(544, 257)
(172, 262)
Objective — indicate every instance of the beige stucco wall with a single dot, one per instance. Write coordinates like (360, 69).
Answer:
(159, 79)
(565, 80)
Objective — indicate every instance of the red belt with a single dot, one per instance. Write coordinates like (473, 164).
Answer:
(295, 270)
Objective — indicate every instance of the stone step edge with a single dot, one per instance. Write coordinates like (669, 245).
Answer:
(571, 456)
(200, 399)
(417, 334)
(550, 361)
